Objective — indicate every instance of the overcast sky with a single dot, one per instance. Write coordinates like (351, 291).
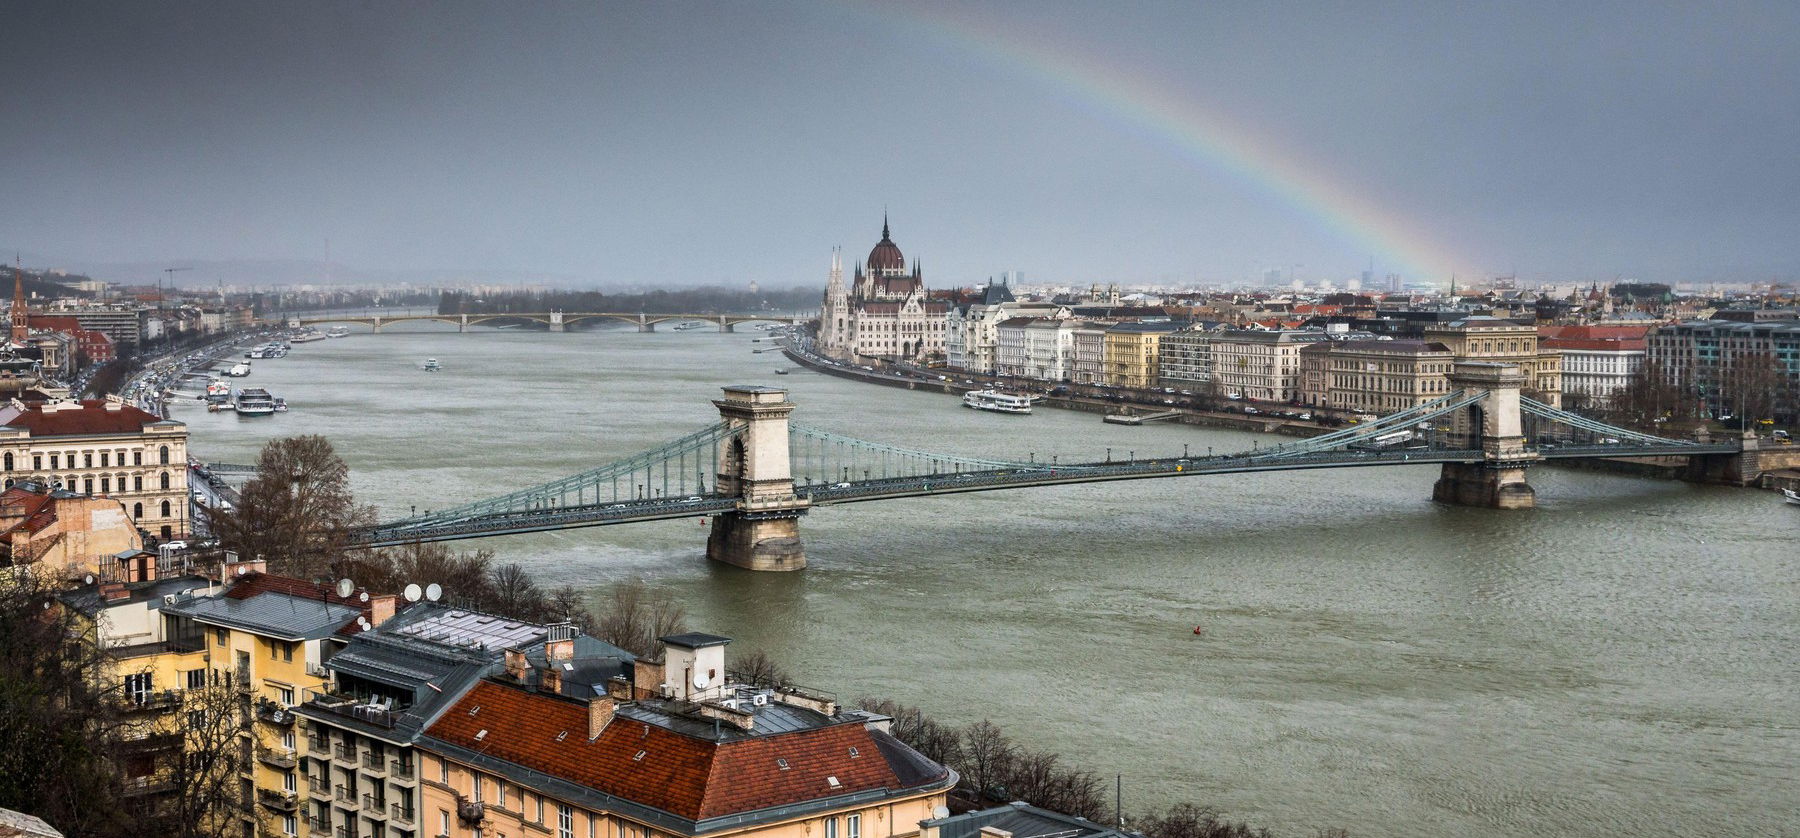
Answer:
(676, 143)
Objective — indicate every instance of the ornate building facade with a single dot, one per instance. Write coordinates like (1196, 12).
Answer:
(884, 313)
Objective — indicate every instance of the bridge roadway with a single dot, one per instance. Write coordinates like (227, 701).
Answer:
(556, 320)
(660, 509)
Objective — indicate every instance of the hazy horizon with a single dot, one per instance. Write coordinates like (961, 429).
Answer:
(676, 145)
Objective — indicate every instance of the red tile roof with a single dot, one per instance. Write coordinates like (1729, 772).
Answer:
(38, 509)
(690, 778)
(92, 417)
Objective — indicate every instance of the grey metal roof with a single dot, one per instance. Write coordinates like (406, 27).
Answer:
(695, 640)
(771, 718)
(271, 614)
(87, 600)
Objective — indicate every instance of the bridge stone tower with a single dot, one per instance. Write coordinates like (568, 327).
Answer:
(1494, 423)
(763, 533)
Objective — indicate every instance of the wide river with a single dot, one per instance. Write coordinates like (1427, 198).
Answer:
(1622, 660)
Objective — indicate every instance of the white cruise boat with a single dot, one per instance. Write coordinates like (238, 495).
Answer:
(432, 365)
(255, 401)
(306, 336)
(997, 401)
(218, 392)
(338, 332)
(239, 370)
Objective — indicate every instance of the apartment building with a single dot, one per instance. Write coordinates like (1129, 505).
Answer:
(1597, 361)
(1131, 352)
(1707, 358)
(1087, 352)
(1373, 376)
(1184, 358)
(101, 447)
(1261, 365)
(679, 748)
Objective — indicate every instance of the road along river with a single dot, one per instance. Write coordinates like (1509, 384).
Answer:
(1620, 661)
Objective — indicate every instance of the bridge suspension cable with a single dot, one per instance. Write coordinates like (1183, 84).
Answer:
(1533, 407)
(822, 457)
(679, 468)
(1405, 419)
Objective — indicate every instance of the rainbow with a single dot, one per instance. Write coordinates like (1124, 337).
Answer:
(1194, 132)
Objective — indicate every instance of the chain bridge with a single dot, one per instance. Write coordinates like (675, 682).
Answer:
(557, 321)
(756, 474)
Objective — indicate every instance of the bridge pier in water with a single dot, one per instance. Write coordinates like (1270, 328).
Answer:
(645, 324)
(556, 322)
(763, 532)
(1498, 481)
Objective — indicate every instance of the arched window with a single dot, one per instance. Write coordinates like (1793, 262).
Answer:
(165, 484)
(9, 461)
(165, 509)
(165, 458)
(137, 511)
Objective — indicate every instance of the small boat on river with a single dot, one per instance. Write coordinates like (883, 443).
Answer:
(997, 401)
(1791, 496)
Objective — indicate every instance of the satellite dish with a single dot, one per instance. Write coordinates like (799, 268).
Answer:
(242, 570)
(413, 592)
(364, 622)
(89, 578)
(434, 591)
(940, 812)
(345, 587)
(700, 680)
(365, 596)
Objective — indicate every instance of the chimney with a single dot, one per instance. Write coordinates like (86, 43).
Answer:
(600, 714)
(618, 688)
(646, 677)
(114, 591)
(516, 665)
(380, 609)
(560, 650)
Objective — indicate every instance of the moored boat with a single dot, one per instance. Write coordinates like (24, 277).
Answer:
(997, 401)
(338, 332)
(1791, 496)
(254, 401)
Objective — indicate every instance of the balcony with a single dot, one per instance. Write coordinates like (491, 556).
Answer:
(379, 714)
(401, 815)
(282, 758)
(345, 795)
(279, 801)
(273, 713)
(319, 825)
(320, 786)
(374, 764)
(344, 832)
(401, 770)
(374, 807)
(154, 702)
(135, 786)
(344, 752)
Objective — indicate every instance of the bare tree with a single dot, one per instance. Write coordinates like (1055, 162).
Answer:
(208, 797)
(515, 594)
(987, 756)
(297, 513)
(758, 669)
(637, 617)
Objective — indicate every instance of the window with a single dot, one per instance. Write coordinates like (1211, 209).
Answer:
(9, 461)
(500, 794)
(137, 458)
(444, 771)
(831, 828)
(475, 784)
(286, 696)
(54, 460)
(106, 485)
(853, 826)
(565, 821)
(165, 483)
(105, 459)
(196, 679)
(165, 507)
(540, 808)
(165, 455)
(287, 651)
(87, 459)
(87, 485)
(289, 782)
(219, 635)
(37, 462)
(138, 687)
(137, 483)
(137, 511)
(443, 822)
(288, 824)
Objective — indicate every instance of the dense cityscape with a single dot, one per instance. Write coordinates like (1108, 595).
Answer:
(1017, 419)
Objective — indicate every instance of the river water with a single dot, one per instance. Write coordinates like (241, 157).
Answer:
(1621, 660)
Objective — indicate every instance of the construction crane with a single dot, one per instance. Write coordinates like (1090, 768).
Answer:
(168, 274)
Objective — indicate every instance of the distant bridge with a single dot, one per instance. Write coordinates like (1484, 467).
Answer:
(557, 321)
(756, 474)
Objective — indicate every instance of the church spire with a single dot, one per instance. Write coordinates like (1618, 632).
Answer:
(884, 224)
(21, 329)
